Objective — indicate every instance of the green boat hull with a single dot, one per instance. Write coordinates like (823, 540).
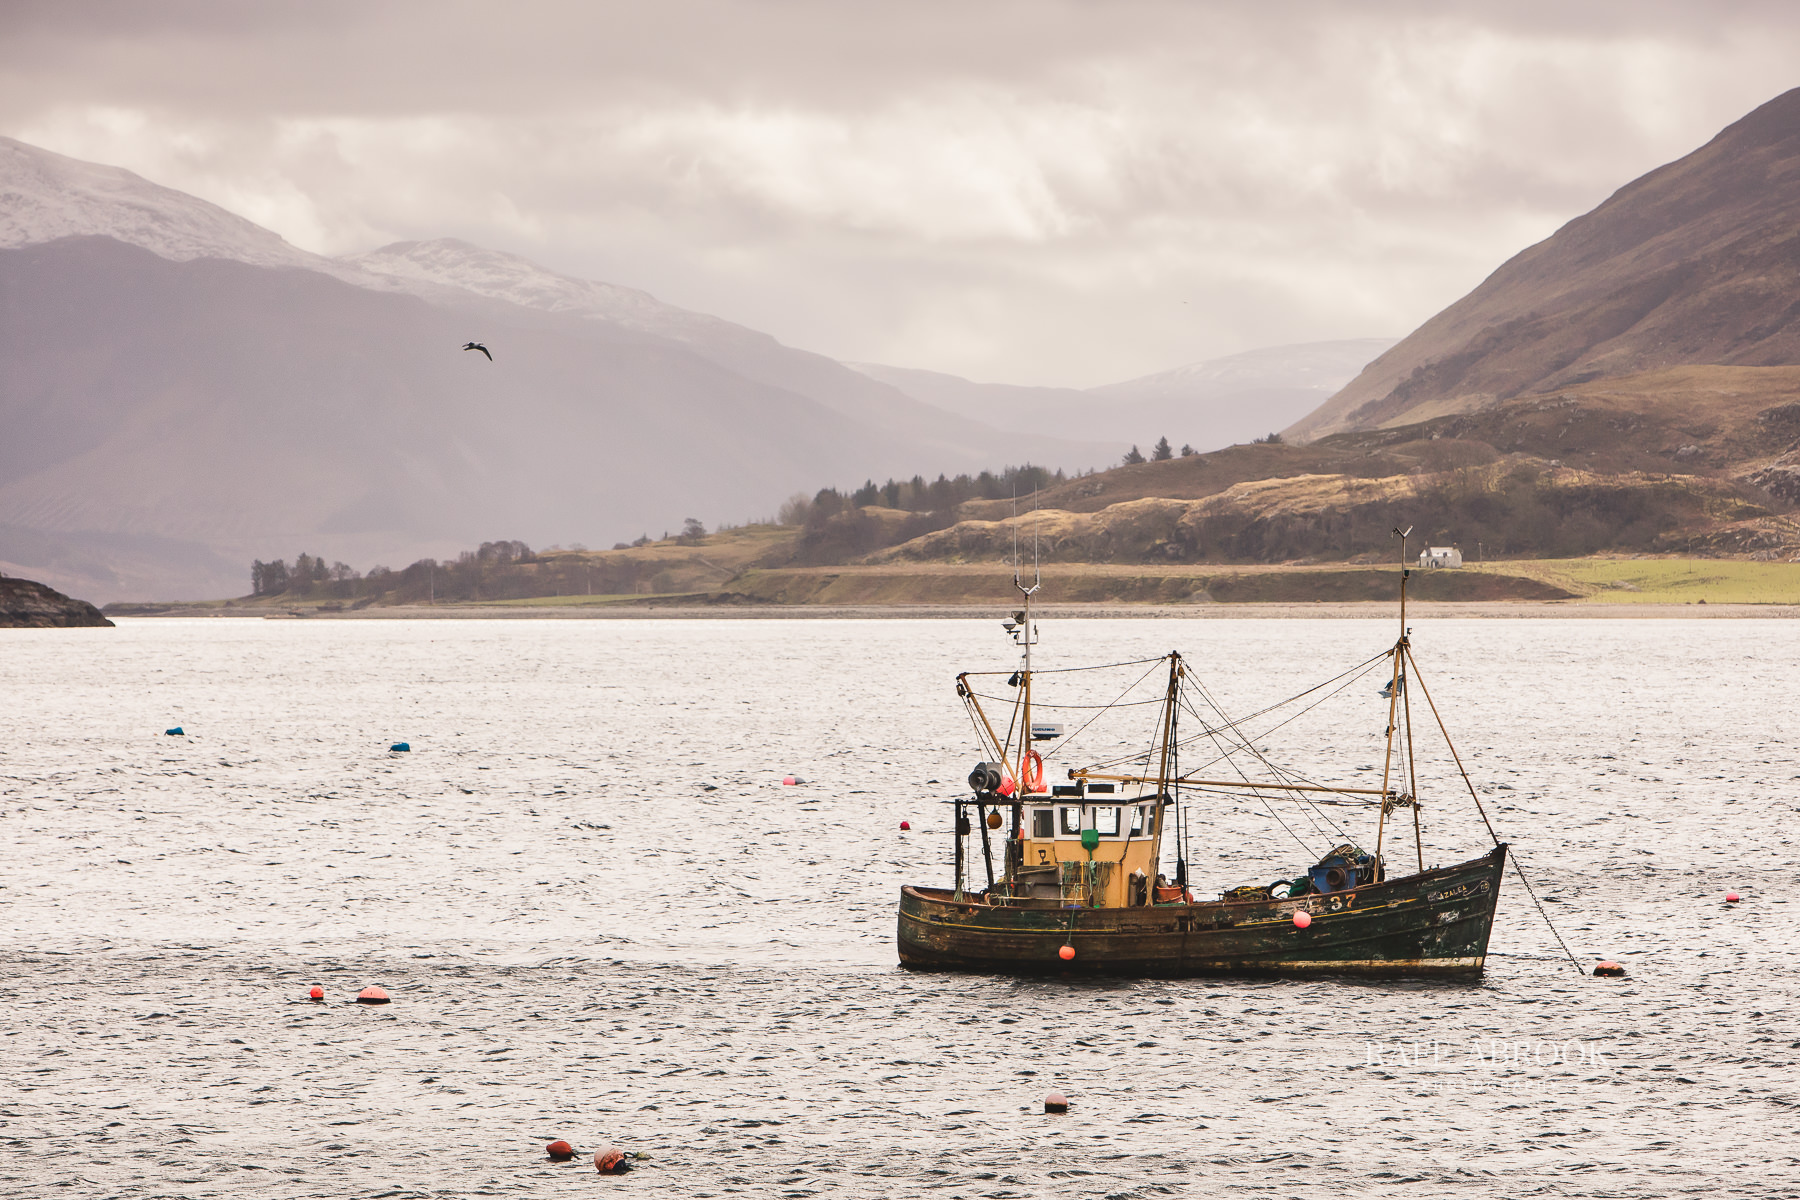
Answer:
(1434, 924)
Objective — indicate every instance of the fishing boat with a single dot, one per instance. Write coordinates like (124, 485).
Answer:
(1073, 870)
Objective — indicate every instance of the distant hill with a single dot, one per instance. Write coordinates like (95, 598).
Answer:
(184, 390)
(1697, 262)
(1691, 462)
(1208, 405)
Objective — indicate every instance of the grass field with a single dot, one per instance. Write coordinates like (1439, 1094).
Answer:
(1662, 580)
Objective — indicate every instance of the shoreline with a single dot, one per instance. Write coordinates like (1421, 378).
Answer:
(1313, 610)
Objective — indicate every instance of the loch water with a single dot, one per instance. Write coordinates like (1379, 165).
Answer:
(603, 917)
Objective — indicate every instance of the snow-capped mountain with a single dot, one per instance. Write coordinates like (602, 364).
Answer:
(185, 390)
(450, 263)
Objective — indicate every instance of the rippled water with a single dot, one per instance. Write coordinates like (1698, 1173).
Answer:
(602, 917)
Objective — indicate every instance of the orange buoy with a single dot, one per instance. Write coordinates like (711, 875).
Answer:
(905, 825)
(1302, 919)
(1067, 952)
(1609, 968)
(559, 1151)
(317, 993)
(372, 995)
(1056, 1102)
(611, 1161)
(1732, 897)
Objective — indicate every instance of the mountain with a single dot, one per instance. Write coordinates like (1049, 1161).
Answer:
(185, 391)
(1211, 404)
(1697, 262)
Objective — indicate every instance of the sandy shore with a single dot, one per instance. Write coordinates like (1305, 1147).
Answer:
(1503, 609)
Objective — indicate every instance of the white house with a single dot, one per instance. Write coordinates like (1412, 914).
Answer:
(1441, 556)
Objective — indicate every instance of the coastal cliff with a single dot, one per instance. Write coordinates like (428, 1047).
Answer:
(28, 605)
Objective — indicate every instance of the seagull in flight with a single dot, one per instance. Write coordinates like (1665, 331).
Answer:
(482, 348)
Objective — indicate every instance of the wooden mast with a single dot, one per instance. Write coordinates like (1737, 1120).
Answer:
(1394, 686)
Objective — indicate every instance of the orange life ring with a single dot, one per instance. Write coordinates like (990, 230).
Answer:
(1034, 771)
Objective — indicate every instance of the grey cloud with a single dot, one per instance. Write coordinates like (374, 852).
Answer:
(1060, 193)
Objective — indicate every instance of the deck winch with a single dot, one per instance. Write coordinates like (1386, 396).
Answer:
(1344, 868)
(987, 776)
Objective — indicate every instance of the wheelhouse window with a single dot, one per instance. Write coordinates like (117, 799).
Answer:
(1043, 822)
(1137, 821)
(1106, 821)
(1071, 822)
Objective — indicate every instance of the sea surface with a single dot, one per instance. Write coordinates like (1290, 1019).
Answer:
(603, 917)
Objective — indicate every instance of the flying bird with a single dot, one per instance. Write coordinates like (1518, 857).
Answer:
(482, 348)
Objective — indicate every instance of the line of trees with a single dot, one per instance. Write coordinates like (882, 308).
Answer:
(309, 577)
(919, 496)
(1161, 452)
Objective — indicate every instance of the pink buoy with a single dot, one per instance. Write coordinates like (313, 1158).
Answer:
(611, 1161)
(788, 781)
(372, 995)
(1732, 897)
(1056, 1102)
(1302, 919)
(1066, 953)
(905, 825)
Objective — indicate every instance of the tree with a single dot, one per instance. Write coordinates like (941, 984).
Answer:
(1274, 439)
(1133, 457)
(1188, 451)
(794, 509)
(692, 530)
(1161, 452)
(866, 495)
(268, 578)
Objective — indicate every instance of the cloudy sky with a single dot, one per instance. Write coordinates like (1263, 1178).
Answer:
(1068, 193)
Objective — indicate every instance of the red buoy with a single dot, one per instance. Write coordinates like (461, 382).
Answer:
(905, 825)
(372, 995)
(1056, 1102)
(560, 1151)
(317, 993)
(1302, 919)
(1732, 897)
(1067, 952)
(1609, 968)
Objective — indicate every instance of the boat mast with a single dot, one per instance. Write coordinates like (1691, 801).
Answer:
(1394, 686)
(1162, 788)
(1013, 848)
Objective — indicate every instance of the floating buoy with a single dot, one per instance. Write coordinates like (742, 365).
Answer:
(372, 995)
(1732, 897)
(791, 780)
(317, 993)
(1066, 953)
(905, 825)
(560, 1151)
(1302, 919)
(1609, 969)
(611, 1161)
(400, 748)
(1056, 1102)
(175, 732)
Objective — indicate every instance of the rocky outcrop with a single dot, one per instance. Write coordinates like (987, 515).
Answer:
(28, 605)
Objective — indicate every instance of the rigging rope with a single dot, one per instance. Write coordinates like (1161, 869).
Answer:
(1470, 784)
